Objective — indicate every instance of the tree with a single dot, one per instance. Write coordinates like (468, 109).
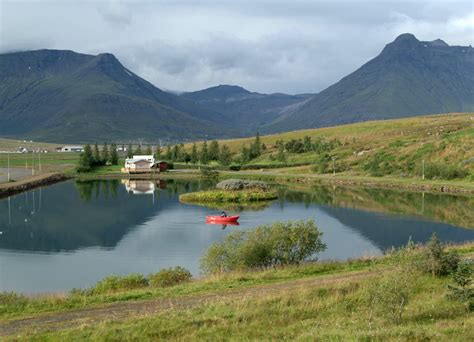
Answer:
(204, 155)
(256, 147)
(187, 157)
(85, 160)
(148, 150)
(168, 155)
(176, 153)
(105, 154)
(245, 154)
(194, 154)
(96, 156)
(214, 150)
(225, 158)
(130, 151)
(138, 151)
(281, 153)
(113, 154)
(158, 151)
(307, 144)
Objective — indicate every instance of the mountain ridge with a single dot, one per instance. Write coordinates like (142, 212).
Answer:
(64, 96)
(408, 78)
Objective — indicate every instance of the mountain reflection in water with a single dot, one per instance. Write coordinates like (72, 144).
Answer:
(125, 226)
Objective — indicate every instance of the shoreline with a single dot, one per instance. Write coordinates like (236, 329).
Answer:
(14, 188)
(412, 185)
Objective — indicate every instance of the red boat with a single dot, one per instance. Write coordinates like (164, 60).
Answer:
(220, 219)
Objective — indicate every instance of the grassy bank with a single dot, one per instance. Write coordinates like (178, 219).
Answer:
(325, 300)
(228, 196)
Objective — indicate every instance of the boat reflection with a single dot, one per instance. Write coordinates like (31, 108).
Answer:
(224, 226)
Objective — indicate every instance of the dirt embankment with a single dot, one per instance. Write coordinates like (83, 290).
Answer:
(9, 189)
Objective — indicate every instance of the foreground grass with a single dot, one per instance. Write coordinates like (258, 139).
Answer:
(333, 312)
(13, 306)
(18, 306)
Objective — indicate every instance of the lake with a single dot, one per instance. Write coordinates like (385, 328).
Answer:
(71, 234)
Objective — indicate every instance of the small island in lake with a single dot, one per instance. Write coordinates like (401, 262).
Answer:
(233, 190)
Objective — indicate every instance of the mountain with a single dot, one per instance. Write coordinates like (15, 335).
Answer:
(63, 96)
(408, 78)
(248, 111)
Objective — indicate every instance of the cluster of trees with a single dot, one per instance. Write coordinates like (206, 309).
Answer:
(307, 145)
(204, 155)
(92, 157)
(139, 150)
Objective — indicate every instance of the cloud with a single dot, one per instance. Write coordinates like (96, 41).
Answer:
(291, 46)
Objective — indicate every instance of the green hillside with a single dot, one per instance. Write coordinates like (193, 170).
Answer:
(375, 148)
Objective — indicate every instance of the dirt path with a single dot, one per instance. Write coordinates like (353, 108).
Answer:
(136, 309)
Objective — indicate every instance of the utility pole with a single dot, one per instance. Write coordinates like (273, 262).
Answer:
(8, 168)
(423, 169)
(32, 163)
(39, 158)
(333, 166)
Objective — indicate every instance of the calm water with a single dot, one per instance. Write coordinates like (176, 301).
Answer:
(74, 233)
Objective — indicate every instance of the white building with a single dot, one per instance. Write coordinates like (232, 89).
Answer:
(141, 163)
(72, 148)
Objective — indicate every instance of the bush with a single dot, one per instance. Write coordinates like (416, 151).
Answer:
(461, 290)
(209, 173)
(265, 246)
(444, 171)
(388, 295)
(115, 283)
(239, 184)
(169, 277)
(436, 261)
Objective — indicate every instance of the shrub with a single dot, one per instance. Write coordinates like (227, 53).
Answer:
(170, 277)
(265, 246)
(433, 259)
(381, 163)
(115, 283)
(389, 294)
(461, 290)
(437, 261)
(444, 171)
(209, 173)
(12, 299)
(239, 184)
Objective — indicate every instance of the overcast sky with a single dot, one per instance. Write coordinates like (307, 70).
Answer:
(292, 46)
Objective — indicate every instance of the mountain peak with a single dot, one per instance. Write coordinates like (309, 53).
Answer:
(438, 42)
(406, 38)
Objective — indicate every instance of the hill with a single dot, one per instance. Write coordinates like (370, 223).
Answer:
(63, 96)
(248, 111)
(374, 148)
(408, 78)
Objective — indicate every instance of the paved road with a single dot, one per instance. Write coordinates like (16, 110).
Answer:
(15, 174)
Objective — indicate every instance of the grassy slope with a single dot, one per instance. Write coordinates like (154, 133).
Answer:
(329, 308)
(407, 139)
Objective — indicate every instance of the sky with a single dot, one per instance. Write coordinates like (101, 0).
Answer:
(292, 46)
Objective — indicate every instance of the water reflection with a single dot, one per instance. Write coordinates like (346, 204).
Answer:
(88, 229)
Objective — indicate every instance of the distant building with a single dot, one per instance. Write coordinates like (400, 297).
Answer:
(72, 148)
(22, 150)
(144, 164)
